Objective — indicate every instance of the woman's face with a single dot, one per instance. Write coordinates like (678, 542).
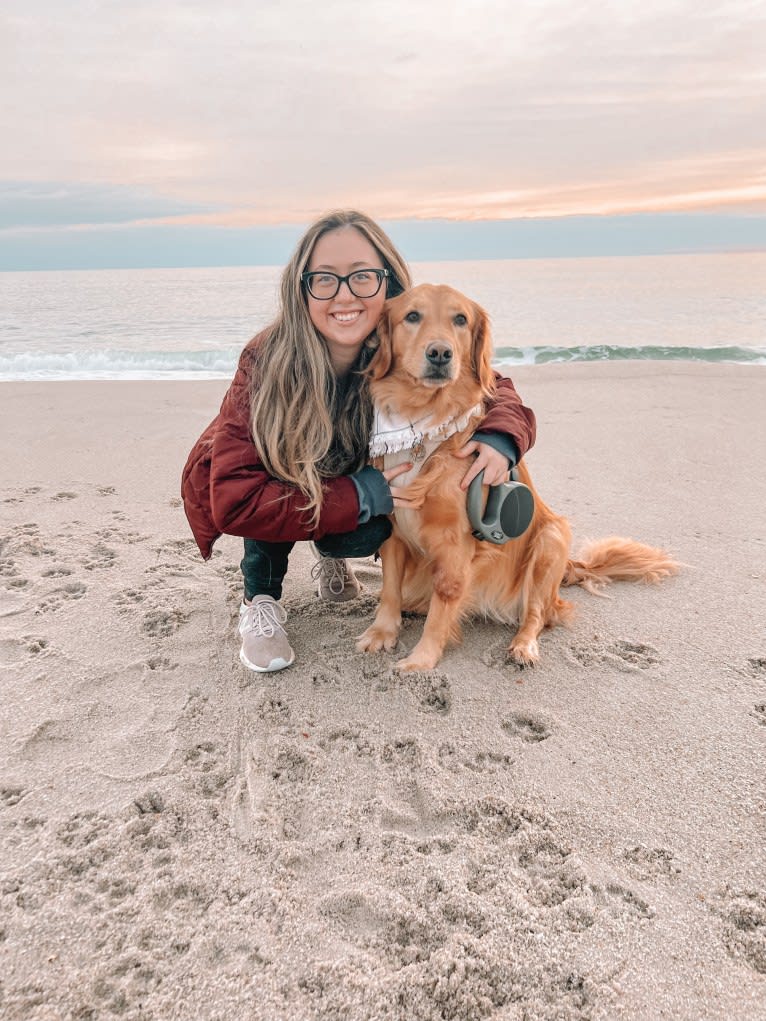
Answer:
(345, 320)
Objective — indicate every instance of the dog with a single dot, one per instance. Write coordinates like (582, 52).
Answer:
(433, 366)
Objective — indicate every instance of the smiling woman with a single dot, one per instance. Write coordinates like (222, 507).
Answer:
(345, 309)
(285, 459)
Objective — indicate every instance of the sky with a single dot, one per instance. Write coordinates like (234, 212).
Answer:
(203, 132)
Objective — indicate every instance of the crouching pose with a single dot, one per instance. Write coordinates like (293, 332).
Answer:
(285, 458)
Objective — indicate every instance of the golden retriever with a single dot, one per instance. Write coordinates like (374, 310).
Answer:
(433, 363)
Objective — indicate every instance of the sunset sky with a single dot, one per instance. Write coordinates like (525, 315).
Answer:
(192, 132)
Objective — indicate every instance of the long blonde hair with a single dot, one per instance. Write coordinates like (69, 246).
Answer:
(307, 424)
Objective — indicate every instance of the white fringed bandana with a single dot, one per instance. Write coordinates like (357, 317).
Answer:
(392, 432)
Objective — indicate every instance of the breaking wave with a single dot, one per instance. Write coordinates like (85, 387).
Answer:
(221, 363)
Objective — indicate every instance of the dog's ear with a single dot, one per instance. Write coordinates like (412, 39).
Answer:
(380, 364)
(481, 353)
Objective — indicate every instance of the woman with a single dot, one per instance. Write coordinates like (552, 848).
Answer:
(285, 459)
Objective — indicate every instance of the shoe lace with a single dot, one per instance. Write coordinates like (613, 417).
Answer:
(332, 572)
(264, 618)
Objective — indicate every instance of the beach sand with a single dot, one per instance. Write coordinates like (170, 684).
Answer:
(183, 839)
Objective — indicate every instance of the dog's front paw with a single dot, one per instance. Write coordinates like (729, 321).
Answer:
(376, 638)
(525, 653)
(419, 659)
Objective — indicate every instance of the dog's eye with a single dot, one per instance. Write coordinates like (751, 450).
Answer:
(412, 317)
(460, 319)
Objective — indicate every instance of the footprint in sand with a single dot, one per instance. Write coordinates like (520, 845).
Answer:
(208, 766)
(630, 900)
(64, 496)
(101, 557)
(404, 752)
(529, 727)
(553, 872)
(151, 802)
(57, 571)
(34, 645)
(745, 927)
(273, 794)
(186, 548)
(24, 540)
(348, 740)
(274, 710)
(333, 662)
(129, 598)
(59, 596)
(489, 761)
(8, 567)
(17, 583)
(628, 656)
(325, 677)
(11, 652)
(160, 663)
(11, 795)
(649, 863)
(389, 924)
(759, 712)
(756, 667)
(432, 690)
(162, 623)
(417, 815)
(498, 656)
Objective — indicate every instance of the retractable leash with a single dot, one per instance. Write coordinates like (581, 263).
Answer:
(508, 513)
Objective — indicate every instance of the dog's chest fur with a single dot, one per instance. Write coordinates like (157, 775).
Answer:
(396, 439)
(408, 521)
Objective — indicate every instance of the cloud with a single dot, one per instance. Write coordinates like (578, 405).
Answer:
(276, 111)
(192, 133)
(39, 204)
(149, 244)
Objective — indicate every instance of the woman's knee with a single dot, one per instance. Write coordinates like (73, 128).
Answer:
(362, 542)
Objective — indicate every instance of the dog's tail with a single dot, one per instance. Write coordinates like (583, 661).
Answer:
(618, 559)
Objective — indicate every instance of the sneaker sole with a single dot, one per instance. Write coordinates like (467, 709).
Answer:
(274, 665)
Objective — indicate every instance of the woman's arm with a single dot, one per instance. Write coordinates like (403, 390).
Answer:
(246, 500)
(506, 433)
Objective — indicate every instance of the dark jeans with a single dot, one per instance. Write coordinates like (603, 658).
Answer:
(264, 564)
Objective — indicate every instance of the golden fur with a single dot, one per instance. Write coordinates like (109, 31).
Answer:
(432, 564)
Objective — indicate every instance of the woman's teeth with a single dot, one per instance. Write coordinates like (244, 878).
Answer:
(346, 317)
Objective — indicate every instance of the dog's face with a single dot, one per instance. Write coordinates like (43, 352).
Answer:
(433, 334)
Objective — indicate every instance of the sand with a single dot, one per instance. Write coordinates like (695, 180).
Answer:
(183, 839)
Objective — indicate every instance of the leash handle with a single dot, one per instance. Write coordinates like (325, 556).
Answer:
(508, 512)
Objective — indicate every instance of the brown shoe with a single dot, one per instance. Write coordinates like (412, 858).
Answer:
(335, 580)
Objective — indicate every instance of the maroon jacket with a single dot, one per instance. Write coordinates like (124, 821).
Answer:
(226, 488)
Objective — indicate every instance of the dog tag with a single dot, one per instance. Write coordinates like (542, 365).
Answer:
(507, 514)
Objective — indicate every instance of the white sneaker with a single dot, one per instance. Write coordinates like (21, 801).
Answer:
(265, 646)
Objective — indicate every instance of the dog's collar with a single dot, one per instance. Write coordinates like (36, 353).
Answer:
(392, 432)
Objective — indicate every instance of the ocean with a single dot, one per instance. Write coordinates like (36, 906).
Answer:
(192, 323)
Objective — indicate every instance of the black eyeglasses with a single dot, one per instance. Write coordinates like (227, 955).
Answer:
(363, 283)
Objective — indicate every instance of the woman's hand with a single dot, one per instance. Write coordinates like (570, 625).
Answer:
(402, 495)
(494, 463)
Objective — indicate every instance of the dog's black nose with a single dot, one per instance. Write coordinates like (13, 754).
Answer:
(438, 353)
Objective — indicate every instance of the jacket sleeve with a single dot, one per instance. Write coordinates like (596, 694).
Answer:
(246, 500)
(507, 414)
